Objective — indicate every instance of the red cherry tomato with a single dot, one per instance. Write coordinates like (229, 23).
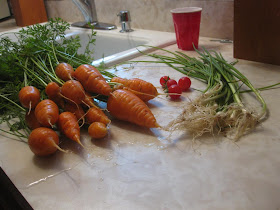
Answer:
(174, 89)
(184, 83)
(171, 82)
(163, 80)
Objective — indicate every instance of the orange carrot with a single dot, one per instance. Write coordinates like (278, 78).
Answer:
(68, 125)
(88, 101)
(124, 105)
(31, 120)
(77, 110)
(53, 92)
(29, 97)
(143, 89)
(64, 71)
(92, 80)
(97, 130)
(95, 114)
(43, 141)
(73, 91)
(47, 113)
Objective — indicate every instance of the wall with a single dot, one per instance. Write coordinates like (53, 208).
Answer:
(216, 22)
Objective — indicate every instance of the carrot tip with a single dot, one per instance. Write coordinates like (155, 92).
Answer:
(157, 125)
(80, 143)
(59, 148)
(77, 139)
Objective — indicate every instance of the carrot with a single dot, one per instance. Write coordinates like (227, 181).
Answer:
(64, 71)
(31, 120)
(77, 110)
(29, 96)
(143, 89)
(124, 105)
(97, 130)
(68, 125)
(43, 141)
(92, 79)
(95, 114)
(53, 92)
(88, 101)
(47, 113)
(73, 91)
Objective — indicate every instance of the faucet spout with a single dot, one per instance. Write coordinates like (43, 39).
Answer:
(88, 9)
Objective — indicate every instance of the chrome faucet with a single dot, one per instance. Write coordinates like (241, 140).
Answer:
(88, 9)
(125, 21)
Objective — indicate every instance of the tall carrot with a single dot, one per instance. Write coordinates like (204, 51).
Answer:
(124, 105)
(47, 113)
(73, 91)
(43, 141)
(64, 71)
(77, 110)
(68, 125)
(143, 89)
(92, 80)
(88, 101)
(95, 114)
(29, 97)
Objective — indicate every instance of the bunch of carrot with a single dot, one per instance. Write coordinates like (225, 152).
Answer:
(70, 105)
(60, 92)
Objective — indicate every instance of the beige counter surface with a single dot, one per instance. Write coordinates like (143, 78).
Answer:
(138, 168)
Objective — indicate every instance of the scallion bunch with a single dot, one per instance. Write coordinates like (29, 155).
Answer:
(220, 107)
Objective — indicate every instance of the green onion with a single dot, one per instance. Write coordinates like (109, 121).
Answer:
(219, 109)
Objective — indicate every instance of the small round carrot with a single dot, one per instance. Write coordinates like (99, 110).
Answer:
(124, 105)
(68, 125)
(29, 96)
(53, 92)
(143, 89)
(64, 71)
(73, 91)
(97, 130)
(43, 141)
(95, 114)
(31, 120)
(52, 89)
(47, 113)
(92, 80)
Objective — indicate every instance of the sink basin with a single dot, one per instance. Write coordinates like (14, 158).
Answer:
(112, 47)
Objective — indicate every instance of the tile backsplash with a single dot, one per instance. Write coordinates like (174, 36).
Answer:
(216, 21)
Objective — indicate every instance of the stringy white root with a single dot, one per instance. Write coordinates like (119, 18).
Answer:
(198, 118)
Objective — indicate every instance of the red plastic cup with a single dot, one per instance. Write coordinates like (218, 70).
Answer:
(187, 24)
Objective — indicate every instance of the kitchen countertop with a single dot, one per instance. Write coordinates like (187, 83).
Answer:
(139, 168)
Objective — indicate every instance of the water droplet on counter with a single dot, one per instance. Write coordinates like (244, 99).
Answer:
(109, 158)
(162, 147)
(150, 144)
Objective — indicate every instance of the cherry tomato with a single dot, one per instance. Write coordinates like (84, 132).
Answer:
(174, 89)
(171, 82)
(184, 83)
(163, 80)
